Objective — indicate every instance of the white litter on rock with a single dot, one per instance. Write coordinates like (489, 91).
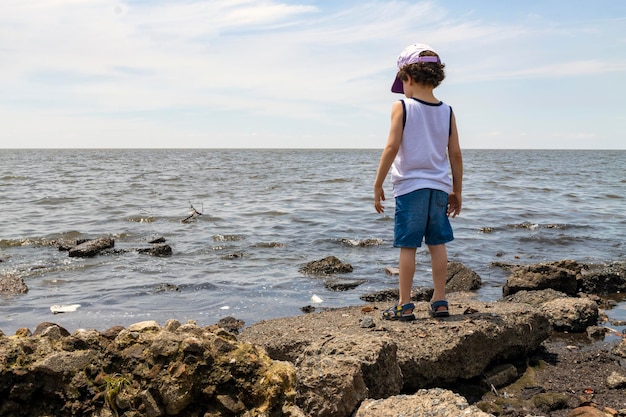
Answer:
(316, 299)
(64, 308)
(224, 307)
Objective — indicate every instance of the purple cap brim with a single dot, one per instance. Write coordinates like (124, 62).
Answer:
(396, 87)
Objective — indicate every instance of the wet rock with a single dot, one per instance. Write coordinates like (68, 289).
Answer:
(231, 324)
(91, 247)
(336, 284)
(307, 309)
(603, 279)
(52, 330)
(541, 276)
(10, 284)
(156, 250)
(461, 278)
(165, 287)
(327, 266)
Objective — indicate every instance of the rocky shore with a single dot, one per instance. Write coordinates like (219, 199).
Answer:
(544, 349)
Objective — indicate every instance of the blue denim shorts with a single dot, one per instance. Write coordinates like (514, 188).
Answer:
(421, 215)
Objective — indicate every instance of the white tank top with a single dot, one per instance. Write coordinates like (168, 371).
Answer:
(422, 160)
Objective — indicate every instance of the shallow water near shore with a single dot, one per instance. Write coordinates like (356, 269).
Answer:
(265, 213)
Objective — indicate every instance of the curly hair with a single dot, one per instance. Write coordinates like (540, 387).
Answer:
(429, 73)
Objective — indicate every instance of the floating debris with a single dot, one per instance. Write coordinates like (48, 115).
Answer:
(316, 299)
(69, 308)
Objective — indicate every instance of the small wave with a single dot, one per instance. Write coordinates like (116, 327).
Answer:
(336, 181)
(269, 245)
(13, 177)
(55, 201)
(535, 226)
(140, 219)
(556, 241)
(268, 213)
(28, 241)
(228, 238)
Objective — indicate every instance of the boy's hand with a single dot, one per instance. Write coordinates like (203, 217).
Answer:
(454, 205)
(379, 195)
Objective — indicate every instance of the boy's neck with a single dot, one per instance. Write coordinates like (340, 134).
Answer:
(422, 92)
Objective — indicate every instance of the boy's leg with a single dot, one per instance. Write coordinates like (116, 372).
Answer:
(439, 261)
(407, 270)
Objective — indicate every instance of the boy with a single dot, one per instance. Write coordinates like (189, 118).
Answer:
(423, 146)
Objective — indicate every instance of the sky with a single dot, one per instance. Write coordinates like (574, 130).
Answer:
(533, 74)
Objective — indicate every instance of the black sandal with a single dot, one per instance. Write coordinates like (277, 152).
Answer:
(439, 313)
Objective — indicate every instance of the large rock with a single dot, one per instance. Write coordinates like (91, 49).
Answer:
(571, 314)
(560, 275)
(142, 370)
(331, 346)
(566, 314)
(541, 276)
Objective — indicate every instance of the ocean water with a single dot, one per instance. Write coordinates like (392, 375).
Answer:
(265, 213)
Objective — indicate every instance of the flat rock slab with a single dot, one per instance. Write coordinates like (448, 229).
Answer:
(392, 357)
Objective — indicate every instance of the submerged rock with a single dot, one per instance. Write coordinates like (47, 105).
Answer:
(327, 266)
(91, 247)
(335, 284)
(10, 284)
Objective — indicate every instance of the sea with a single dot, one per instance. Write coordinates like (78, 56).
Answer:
(242, 222)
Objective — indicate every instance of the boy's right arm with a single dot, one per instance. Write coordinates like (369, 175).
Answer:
(455, 201)
(389, 154)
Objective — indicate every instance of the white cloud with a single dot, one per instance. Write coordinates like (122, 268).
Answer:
(133, 65)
